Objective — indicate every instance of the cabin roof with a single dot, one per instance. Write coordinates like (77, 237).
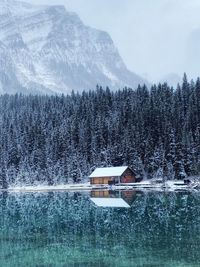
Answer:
(108, 171)
(110, 202)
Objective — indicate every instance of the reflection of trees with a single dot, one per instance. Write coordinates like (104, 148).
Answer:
(167, 223)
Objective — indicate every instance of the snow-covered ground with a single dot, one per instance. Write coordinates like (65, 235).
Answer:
(145, 185)
(38, 188)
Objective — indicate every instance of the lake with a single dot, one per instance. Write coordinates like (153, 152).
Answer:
(100, 229)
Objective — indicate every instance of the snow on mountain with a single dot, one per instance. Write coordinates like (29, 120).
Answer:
(47, 49)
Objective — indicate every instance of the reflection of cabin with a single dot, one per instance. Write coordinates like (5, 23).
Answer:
(112, 175)
(120, 199)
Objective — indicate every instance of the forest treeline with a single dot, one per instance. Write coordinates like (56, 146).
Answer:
(61, 139)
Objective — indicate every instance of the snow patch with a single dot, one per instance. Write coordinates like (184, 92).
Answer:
(110, 75)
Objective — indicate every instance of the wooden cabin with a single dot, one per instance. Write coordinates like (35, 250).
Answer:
(112, 175)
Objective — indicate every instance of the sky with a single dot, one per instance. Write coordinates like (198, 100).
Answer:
(154, 37)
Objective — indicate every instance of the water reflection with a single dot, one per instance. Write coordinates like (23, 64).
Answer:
(67, 229)
(115, 199)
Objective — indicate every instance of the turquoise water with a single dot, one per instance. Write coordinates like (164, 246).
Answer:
(68, 229)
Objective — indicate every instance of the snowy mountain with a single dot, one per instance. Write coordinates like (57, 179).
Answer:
(47, 49)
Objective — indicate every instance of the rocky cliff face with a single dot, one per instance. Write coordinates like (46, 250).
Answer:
(46, 49)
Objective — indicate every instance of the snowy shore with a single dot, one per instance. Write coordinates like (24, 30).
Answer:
(38, 188)
(145, 185)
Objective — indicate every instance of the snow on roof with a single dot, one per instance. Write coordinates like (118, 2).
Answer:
(110, 202)
(109, 171)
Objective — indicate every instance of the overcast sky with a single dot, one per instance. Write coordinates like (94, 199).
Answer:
(152, 36)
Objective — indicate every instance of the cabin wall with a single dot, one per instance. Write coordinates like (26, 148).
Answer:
(100, 180)
(128, 177)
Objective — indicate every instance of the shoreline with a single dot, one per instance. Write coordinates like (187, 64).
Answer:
(171, 186)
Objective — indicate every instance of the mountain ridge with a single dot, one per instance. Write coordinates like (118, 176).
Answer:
(48, 49)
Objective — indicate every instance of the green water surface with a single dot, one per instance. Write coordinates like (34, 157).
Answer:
(68, 230)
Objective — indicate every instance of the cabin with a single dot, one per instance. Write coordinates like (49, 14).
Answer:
(112, 175)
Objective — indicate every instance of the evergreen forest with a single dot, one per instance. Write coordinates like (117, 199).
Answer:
(62, 139)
